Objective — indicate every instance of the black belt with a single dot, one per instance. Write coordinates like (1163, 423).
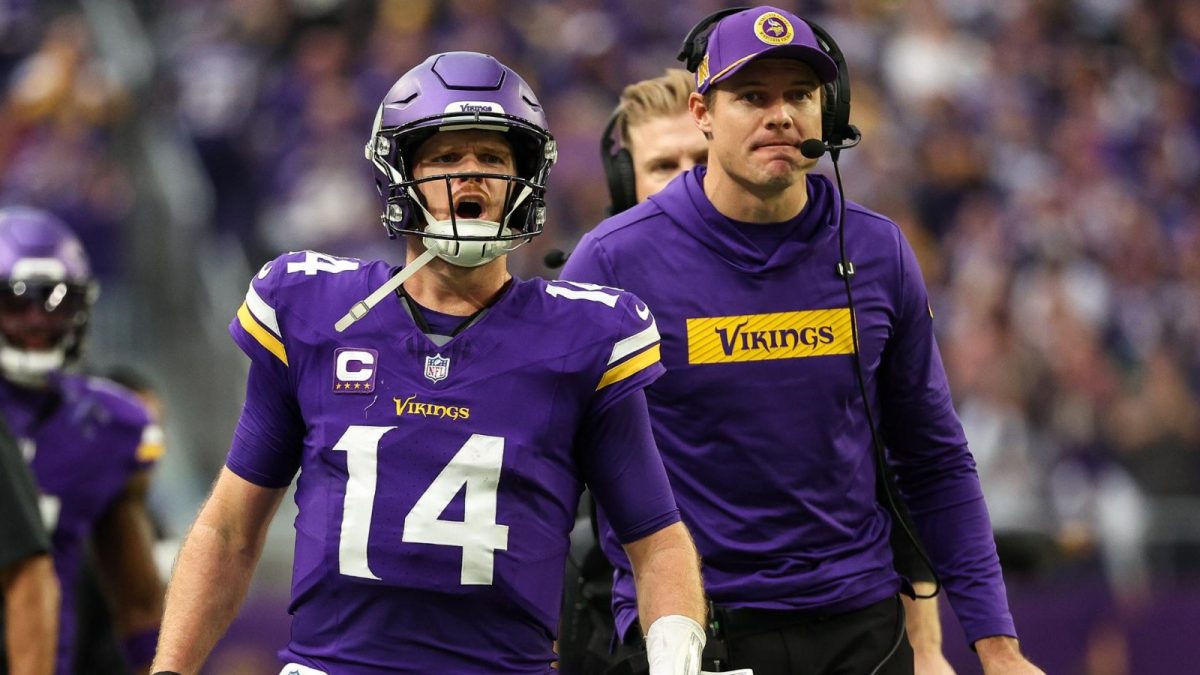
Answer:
(729, 623)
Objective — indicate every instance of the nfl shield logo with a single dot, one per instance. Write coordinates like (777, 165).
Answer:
(437, 367)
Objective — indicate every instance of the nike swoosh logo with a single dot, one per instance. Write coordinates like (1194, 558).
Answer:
(643, 312)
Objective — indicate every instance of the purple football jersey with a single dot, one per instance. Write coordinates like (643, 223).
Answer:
(438, 484)
(759, 418)
(87, 437)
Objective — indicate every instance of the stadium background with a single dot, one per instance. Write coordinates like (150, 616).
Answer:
(1043, 157)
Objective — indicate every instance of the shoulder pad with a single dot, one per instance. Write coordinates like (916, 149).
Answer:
(118, 410)
(294, 280)
(618, 319)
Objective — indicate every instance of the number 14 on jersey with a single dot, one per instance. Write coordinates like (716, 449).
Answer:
(477, 465)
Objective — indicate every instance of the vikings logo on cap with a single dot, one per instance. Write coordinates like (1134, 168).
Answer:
(773, 29)
(702, 72)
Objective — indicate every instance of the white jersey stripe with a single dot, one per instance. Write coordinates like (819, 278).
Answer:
(261, 311)
(634, 343)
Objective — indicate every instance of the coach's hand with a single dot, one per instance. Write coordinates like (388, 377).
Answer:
(1001, 655)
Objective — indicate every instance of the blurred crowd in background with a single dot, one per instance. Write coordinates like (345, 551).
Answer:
(1043, 157)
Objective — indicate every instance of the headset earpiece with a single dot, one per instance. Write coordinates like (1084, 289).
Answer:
(827, 111)
(835, 116)
(691, 52)
(618, 167)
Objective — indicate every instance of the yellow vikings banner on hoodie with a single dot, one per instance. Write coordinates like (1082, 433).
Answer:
(767, 337)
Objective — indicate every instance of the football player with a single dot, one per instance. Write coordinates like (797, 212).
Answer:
(89, 442)
(444, 416)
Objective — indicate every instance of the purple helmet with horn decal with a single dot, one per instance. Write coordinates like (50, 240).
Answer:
(458, 91)
(46, 294)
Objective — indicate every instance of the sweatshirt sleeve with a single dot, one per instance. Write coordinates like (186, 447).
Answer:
(934, 467)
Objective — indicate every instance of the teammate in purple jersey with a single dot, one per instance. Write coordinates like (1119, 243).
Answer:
(89, 442)
(740, 263)
(445, 425)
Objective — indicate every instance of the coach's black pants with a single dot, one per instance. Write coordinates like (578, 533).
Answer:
(869, 641)
(799, 643)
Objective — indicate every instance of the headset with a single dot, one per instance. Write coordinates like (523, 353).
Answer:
(837, 135)
(618, 166)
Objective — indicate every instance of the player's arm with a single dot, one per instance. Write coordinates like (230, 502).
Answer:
(125, 552)
(666, 570)
(31, 598)
(626, 475)
(670, 595)
(223, 546)
(213, 571)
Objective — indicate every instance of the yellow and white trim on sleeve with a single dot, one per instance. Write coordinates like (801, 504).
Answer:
(632, 355)
(153, 444)
(258, 319)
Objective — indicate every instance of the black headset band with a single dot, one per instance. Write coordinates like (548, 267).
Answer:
(618, 165)
(691, 52)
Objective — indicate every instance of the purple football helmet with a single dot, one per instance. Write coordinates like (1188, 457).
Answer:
(452, 91)
(46, 294)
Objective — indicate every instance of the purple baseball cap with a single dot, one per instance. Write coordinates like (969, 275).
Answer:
(761, 31)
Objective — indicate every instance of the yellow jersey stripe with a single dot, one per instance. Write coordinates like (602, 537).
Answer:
(631, 367)
(264, 337)
(150, 452)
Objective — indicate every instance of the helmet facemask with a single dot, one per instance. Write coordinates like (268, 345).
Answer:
(464, 237)
(42, 323)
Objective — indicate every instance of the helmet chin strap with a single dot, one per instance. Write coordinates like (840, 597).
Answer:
(360, 308)
(453, 251)
(30, 367)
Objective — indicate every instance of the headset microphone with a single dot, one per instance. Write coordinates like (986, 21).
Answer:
(555, 258)
(814, 148)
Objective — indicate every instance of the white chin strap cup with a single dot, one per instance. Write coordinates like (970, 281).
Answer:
(467, 253)
(20, 365)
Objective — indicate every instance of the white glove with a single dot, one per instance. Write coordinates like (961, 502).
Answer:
(673, 646)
